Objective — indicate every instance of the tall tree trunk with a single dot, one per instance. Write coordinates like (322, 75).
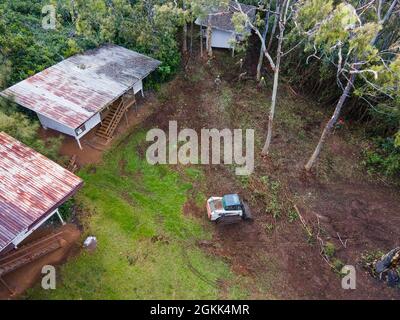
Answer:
(191, 37)
(184, 42)
(282, 24)
(185, 32)
(201, 41)
(261, 57)
(267, 144)
(329, 126)
(259, 65)
(209, 35)
(276, 19)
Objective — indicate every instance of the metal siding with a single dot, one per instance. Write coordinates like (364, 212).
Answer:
(31, 186)
(91, 123)
(52, 124)
(138, 86)
(75, 89)
(221, 39)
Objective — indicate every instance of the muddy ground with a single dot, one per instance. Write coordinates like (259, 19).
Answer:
(338, 202)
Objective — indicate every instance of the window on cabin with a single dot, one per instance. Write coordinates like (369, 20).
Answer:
(80, 130)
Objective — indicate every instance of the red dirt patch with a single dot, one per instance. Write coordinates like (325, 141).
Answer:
(25, 277)
(277, 253)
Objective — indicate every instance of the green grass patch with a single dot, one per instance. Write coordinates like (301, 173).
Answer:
(146, 246)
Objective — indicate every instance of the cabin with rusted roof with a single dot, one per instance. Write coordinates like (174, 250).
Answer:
(32, 188)
(85, 91)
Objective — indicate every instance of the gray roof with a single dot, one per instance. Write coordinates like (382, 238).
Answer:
(221, 18)
(77, 88)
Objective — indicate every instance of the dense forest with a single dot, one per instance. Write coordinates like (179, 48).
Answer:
(345, 55)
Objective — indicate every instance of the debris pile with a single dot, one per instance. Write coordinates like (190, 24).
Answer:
(387, 268)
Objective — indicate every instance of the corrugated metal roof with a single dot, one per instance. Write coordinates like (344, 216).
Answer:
(222, 18)
(31, 187)
(75, 89)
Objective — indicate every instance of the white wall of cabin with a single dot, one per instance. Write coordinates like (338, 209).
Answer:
(52, 124)
(48, 123)
(222, 39)
(138, 86)
(90, 124)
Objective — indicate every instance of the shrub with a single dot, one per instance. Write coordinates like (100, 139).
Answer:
(329, 249)
(383, 157)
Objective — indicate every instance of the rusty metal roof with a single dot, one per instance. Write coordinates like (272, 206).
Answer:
(31, 187)
(77, 88)
(221, 18)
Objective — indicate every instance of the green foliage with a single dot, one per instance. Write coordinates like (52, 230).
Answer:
(329, 249)
(239, 21)
(26, 45)
(274, 206)
(225, 99)
(147, 26)
(383, 156)
(311, 12)
(361, 41)
(292, 215)
(67, 209)
(335, 28)
(347, 40)
(200, 8)
(338, 265)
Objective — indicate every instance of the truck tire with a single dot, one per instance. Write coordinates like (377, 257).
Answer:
(246, 212)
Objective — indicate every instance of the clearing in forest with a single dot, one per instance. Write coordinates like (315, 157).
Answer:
(155, 242)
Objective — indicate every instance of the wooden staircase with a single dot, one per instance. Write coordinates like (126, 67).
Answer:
(114, 117)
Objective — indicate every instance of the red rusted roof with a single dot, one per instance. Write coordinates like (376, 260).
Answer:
(31, 187)
(77, 88)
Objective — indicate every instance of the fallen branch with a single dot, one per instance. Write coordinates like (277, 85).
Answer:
(322, 250)
(340, 239)
(303, 221)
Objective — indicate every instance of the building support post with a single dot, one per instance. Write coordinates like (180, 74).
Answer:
(126, 119)
(61, 219)
(79, 143)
